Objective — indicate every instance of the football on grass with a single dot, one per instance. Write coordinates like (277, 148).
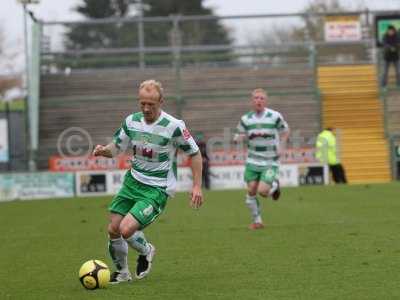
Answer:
(94, 274)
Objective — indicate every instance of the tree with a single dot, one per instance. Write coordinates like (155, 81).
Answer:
(10, 77)
(312, 29)
(90, 36)
(208, 32)
(125, 35)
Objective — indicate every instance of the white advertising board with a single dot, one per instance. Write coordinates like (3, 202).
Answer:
(99, 183)
(41, 185)
(342, 29)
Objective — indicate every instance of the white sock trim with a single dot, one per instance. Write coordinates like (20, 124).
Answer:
(258, 219)
(254, 207)
(274, 187)
(143, 249)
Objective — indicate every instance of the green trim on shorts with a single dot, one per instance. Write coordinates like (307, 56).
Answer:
(144, 202)
(265, 174)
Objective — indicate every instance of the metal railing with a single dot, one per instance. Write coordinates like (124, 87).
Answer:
(140, 41)
(247, 43)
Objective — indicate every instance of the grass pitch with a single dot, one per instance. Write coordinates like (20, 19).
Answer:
(337, 242)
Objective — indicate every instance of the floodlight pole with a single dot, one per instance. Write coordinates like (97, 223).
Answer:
(31, 160)
(141, 35)
(26, 50)
(31, 154)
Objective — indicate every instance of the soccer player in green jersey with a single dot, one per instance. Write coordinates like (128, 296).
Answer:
(266, 133)
(154, 136)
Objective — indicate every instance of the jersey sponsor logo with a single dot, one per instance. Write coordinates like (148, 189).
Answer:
(147, 152)
(261, 135)
(145, 139)
(270, 173)
(186, 134)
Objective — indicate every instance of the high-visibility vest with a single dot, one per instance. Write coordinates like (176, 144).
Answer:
(326, 148)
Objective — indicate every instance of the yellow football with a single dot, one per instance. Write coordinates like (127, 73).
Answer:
(94, 274)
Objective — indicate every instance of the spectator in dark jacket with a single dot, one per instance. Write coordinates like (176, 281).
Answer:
(206, 162)
(391, 54)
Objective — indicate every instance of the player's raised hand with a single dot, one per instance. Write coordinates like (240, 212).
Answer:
(196, 197)
(100, 150)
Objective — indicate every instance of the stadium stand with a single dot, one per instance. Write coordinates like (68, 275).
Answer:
(393, 112)
(350, 101)
(208, 98)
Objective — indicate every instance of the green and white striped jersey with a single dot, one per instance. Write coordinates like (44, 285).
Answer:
(155, 148)
(262, 132)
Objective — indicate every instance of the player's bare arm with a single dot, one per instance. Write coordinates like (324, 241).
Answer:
(284, 136)
(239, 137)
(197, 195)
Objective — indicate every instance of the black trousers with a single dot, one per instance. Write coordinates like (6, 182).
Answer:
(206, 174)
(338, 173)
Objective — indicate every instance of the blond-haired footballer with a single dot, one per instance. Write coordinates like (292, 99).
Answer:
(266, 133)
(154, 136)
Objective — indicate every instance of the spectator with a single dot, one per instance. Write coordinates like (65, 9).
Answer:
(390, 54)
(203, 150)
(327, 154)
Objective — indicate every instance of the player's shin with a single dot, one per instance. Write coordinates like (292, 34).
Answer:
(254, 207)
(118, 249)
(138, 242)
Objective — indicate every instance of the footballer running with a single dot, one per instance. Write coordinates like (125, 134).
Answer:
(154, 136)
(266, 133)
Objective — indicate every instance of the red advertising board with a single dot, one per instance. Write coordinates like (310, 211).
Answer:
(217, 158)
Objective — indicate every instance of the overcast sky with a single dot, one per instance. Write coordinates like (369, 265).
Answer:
(11, 21)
